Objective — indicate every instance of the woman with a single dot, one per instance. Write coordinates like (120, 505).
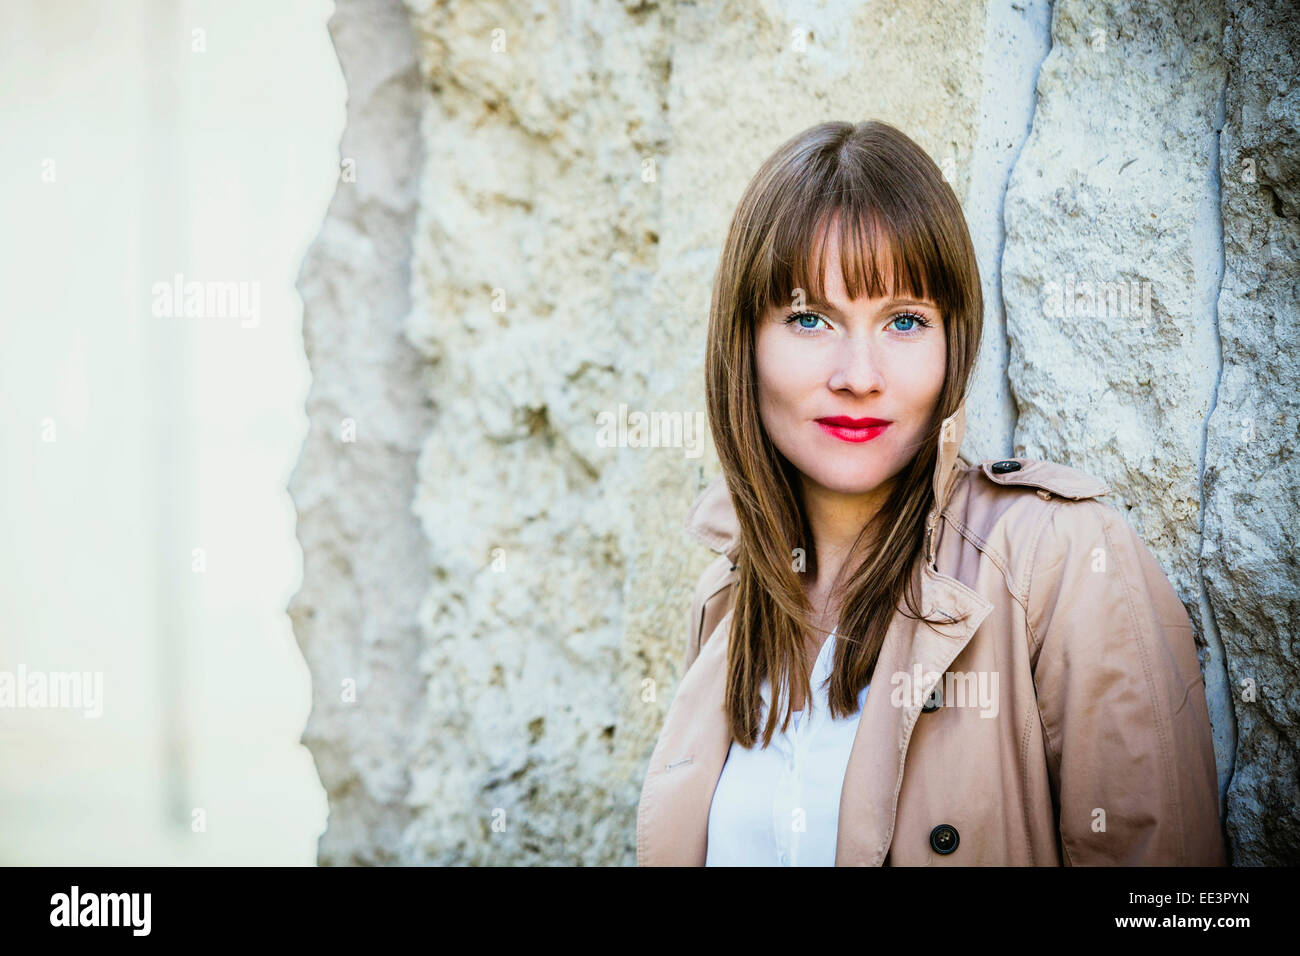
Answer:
(974, 664)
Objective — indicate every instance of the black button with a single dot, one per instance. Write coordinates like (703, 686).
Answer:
(1002, 467)
(943, 839)
(935, 699)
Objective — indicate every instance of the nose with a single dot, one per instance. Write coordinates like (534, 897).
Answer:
(856, 370)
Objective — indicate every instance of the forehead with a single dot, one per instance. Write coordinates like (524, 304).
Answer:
(833, 286)
(843, 255)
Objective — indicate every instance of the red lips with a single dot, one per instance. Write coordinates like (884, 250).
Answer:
(853, 429)
(854, 422)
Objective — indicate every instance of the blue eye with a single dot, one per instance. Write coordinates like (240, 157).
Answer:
(799, 318)
(913, 319)
(807, 322)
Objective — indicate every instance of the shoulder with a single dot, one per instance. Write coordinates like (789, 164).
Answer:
(1046, 523)
(1002, 506)
(717, 575)
(1042, 477)
(712, 520)
(709, 604)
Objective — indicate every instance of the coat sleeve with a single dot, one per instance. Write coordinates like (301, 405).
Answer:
(1121, 697)
(708, 605)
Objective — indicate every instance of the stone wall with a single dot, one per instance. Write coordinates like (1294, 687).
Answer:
(1251, 480)
(365, 559)
(501, 604)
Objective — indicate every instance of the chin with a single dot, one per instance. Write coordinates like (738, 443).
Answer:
(846, 478)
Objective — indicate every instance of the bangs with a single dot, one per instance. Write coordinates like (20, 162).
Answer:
(885, 251)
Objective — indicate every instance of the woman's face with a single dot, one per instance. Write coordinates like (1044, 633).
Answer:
(870, 358)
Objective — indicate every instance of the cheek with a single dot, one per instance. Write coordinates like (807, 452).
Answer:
(919, 369)
(937, 364)
(784, 375)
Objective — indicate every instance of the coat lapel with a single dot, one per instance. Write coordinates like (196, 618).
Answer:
(673, 816)
(914, 654)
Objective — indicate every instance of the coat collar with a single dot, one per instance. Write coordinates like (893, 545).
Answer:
(672, 818)
(712, 519)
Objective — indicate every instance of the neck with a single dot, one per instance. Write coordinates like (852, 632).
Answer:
(836, 520)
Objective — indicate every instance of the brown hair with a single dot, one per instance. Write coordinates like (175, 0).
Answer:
(888, 197)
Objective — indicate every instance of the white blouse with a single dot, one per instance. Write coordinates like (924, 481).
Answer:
(780, 805)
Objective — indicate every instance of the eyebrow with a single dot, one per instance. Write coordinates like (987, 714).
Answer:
(889, 303)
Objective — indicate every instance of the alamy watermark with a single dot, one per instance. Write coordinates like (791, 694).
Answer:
(212, 299)
(1090, 299)
(56, 690)
(129, 910)
(652, 430)
(956, 689)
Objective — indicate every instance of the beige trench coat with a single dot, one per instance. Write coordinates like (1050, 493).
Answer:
(1089, 743)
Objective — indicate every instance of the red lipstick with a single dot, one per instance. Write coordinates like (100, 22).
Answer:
(853, 429)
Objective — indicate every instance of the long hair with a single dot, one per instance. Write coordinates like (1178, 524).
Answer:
(889, 200)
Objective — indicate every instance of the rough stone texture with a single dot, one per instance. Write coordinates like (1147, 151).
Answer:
(1252, 479)
(579, 172)
(365, 564)
(1117, 186)
(536, 184)
(1120, 182)
(1017, 38)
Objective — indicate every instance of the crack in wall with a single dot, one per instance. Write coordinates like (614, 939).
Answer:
(354, 617)
(1005, 370)
(1217, 685)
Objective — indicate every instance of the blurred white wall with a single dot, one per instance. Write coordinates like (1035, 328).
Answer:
(142, 140)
